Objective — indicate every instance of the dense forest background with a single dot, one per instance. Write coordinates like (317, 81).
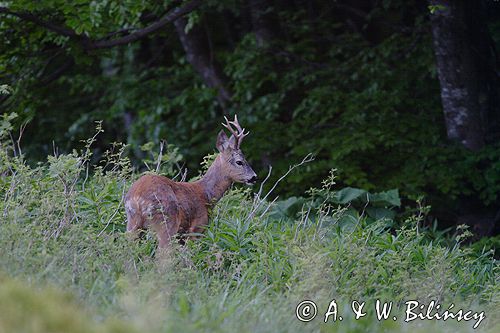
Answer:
(391, 93)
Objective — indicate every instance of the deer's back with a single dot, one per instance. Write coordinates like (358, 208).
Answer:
(156, 199)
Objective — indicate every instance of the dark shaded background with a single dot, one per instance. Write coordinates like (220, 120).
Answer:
(393, 94)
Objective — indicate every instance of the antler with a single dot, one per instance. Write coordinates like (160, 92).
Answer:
(237, 132)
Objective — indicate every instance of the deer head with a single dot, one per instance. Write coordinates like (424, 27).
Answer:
(234, 163)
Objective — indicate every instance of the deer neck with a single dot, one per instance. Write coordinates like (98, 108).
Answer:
(215, 182)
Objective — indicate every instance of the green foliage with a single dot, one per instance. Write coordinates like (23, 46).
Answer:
(5, 89)
(63, 226)
(165, 161)
(363, 101)
(488, 243)
(435, 8)
(6, 124)
(376, 206)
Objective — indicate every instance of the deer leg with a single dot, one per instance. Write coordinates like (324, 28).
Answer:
(134, 225)
(198, 228)
(192, 231)
(165, 231)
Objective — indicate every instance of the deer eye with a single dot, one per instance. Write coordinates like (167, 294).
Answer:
(239, 162)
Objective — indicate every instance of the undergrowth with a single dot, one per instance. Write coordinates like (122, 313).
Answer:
(67, 266)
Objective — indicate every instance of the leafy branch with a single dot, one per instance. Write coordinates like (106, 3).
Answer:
(104, 43)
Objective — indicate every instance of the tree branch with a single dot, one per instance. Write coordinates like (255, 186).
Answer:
(63, 31)
(90, 44)
(171, 16)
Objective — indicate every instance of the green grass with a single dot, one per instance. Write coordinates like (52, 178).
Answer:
(68, 267)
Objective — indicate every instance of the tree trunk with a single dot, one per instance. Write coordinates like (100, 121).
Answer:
(458, 33)
(199, 55)
(466, 63)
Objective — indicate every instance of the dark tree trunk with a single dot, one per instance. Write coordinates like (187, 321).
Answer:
(464, 70)
(466, 65)
(199, 55)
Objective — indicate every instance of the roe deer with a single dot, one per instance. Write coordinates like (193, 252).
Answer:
(170, 207)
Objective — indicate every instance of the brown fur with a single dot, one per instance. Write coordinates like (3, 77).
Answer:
(170, 207)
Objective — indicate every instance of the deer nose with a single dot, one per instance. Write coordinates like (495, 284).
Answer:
(253, 180)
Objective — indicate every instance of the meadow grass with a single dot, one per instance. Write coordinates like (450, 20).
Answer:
(67, 266)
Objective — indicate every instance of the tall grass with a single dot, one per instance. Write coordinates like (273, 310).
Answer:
(68, 267)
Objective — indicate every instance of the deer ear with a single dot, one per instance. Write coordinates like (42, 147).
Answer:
(222, 141)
